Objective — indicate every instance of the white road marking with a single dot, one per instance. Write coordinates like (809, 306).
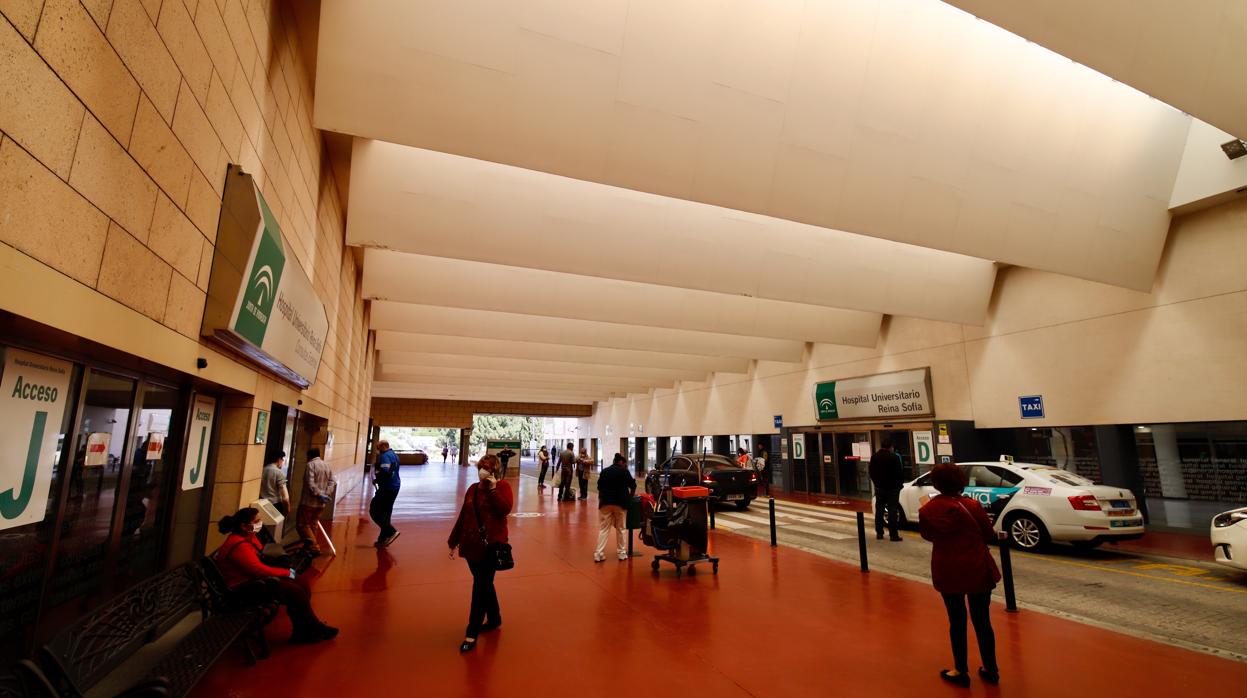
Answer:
(819, 532)
(743, 517)
(729, 524)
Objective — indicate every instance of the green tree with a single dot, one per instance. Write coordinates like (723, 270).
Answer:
(485, 427)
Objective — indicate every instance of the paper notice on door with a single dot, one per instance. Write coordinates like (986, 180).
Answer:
(97, 449)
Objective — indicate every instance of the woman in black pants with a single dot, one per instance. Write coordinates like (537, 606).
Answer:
(482, 522)
(962, 570)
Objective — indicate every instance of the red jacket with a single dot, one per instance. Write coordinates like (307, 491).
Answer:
(494, 506)
(239, 560)
(960, 560)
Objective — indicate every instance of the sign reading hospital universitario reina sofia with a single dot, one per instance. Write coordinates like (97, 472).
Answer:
(275, 316)
(33, 392)
(885, 395)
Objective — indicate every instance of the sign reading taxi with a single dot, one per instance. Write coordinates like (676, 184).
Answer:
(885, 395)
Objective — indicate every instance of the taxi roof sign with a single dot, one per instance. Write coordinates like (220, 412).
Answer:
(1006, 458)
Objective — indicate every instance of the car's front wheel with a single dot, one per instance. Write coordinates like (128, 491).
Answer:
(1027, 532)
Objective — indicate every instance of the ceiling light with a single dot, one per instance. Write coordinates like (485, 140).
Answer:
(1234, 149)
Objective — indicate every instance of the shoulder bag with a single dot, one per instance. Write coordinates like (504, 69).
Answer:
(497, 554)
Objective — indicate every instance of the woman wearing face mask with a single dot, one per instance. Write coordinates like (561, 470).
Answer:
(239, 561)
(482, 522)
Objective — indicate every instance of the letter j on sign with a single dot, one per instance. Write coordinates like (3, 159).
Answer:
(1031, 406)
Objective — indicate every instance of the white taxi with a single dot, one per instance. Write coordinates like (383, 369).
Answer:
(1038, 504)
(1229, 538)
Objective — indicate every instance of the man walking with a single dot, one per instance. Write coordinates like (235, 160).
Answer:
(615, 489)
(505, 455)
(273, 483)
(386, 479)
(567, 462)
(887, 475)
(319, 485)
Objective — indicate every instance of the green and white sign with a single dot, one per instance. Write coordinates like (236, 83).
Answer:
(798, 447)
(883, 396)
(277, 309)
(924, 448)
(193, 467)
(33, 393)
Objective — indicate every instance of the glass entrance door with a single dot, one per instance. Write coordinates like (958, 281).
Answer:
(853, 464)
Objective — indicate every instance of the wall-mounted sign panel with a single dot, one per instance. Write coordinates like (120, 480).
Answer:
(924, 448)
(33, 393)
(261, 304)
(883, 396)
(195, 461)
(1031, 406)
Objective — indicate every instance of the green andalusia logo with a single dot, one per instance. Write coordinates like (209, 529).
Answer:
(263, 282)
(825, 400)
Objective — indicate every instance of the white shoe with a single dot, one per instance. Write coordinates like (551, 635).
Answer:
(623, 557)
(599, 558)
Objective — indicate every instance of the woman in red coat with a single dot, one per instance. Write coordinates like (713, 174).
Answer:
(239, 561)
(482, 522)
(962, 569)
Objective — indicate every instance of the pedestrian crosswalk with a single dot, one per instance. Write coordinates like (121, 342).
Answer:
(794, 517)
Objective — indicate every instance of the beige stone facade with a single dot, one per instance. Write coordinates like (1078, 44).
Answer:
(457, 414)
(118, 119)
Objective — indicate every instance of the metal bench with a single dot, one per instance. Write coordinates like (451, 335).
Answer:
(81, 655)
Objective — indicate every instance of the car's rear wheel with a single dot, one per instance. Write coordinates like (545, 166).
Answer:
(1027, 532)
(743, 505)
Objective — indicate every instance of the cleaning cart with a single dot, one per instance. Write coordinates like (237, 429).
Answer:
(675, 522)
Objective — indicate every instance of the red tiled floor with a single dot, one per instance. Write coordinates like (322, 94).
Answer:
(772, 623)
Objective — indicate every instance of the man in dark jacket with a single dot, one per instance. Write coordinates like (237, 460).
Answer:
(386, 478)
(615, 489)
(888, 477)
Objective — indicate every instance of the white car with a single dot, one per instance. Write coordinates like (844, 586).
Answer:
(1229, 538)
(1038, 504)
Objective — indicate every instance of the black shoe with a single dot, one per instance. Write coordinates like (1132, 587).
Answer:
(307, 637)
(961, 679)
(878, 536)
(491, 626)
(896, 539)
(466, 646)
(992, 677)
(328, 632)
(385, 542)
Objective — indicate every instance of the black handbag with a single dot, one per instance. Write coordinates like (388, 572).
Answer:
(497, 554)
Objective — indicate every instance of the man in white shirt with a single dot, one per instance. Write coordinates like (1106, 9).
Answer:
(273, 483)
(319, 486)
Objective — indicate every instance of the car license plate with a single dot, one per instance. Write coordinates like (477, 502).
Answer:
(735, 497)
(1130, 523)
(1127, 512)
(1120, 504)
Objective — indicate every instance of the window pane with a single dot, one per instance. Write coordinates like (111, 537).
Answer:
(153, 456)
(79, 572)
(24, 549)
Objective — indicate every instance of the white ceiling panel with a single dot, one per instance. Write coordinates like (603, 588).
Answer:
(427, 319)
(439, 391)
(654, 376)
(1188, 54)
(547, 350)
(456, 283)
(907, 120)
(451, 376)
(432, 203)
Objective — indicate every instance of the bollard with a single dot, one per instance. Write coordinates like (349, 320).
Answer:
(1006, 572)
(861, 541)
(711, 507)
(771, 506)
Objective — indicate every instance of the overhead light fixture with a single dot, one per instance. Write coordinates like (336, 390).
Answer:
(1234, 149)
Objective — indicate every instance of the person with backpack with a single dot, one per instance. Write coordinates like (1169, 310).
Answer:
(963, 570)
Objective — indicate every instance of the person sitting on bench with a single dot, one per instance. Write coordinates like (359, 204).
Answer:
(239, 561)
